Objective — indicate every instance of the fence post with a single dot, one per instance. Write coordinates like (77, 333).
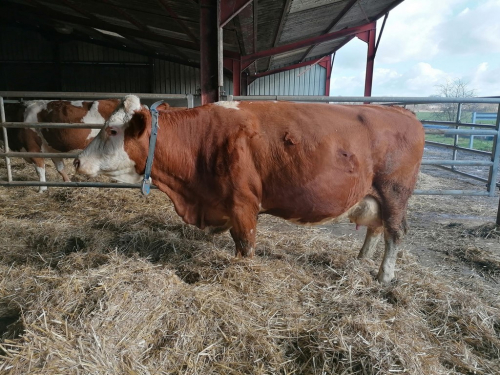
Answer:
(5, 140)
(495, 158)
(471, 139)
(455, 142)
(190, 100)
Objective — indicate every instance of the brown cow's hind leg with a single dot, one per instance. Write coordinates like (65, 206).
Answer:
(394, 201)
(371, 240)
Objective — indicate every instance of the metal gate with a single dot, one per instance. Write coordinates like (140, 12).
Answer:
(7, 154)
(432, 127)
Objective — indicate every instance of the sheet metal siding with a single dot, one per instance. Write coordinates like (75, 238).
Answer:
(301, 81)
(85, 52)
(30, 63)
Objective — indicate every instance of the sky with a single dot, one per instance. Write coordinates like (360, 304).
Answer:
(426, 43)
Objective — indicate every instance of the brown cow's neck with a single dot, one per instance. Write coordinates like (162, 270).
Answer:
(178, 146)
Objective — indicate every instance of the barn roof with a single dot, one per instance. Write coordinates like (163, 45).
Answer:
(170, 29)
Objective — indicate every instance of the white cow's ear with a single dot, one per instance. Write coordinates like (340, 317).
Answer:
(138, 123)
(131, 103)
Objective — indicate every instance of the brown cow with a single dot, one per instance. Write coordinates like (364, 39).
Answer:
(51, 139)
(222, 164)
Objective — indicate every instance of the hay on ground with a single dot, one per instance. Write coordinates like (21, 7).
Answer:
(108, 282)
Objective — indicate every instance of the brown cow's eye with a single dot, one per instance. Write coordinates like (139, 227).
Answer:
(113, 132)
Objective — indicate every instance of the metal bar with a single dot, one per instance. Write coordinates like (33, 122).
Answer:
(471, 138)
(457, 162)
(328, 67)
(451, 192)
(332, 24)
(230, 8)
(248, 59)
(460, 131)
(381, 32)
(117, 185)
(471, 150)
(66, 155)
(373, 99)
(277, 36)
(56, 125)
(5, 140)
(463, 174)
(190, 101)
(495, 159)
(462, 124)
(220, 61)
(455, 139)
(369, 38)
(86, 95)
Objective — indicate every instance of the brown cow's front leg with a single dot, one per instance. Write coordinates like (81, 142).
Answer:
(244, 226)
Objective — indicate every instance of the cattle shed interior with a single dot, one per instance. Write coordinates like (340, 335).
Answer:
(207, 48)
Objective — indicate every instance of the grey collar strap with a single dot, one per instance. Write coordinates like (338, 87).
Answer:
(146, 182)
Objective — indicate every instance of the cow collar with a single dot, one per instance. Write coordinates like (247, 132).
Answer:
(146, 182)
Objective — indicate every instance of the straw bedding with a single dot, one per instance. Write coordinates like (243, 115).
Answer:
(101, 281)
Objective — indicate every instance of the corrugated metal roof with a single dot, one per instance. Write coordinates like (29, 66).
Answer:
(170, 29)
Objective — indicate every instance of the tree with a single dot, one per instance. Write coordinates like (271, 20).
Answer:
(453, 89)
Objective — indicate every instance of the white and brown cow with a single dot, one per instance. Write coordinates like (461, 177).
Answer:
(55, 140)
(222, 164)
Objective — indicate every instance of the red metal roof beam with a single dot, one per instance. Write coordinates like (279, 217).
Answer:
(249, 59)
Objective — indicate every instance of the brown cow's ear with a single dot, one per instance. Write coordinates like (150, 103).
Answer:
(138, 124)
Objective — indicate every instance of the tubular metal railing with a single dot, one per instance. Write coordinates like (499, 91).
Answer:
(7, 154)
(445, 128)
(483, 130)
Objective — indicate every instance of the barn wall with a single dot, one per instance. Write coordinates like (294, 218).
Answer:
(300, 81)
(29, 62)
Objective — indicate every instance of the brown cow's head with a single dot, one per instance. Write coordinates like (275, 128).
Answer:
(110, 152)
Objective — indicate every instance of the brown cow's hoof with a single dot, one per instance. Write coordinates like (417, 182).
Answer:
(385, 279)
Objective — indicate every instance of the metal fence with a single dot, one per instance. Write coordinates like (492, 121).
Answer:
(7, 154)
(449, 127)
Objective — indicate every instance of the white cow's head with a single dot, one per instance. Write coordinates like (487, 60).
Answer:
(107, 154)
